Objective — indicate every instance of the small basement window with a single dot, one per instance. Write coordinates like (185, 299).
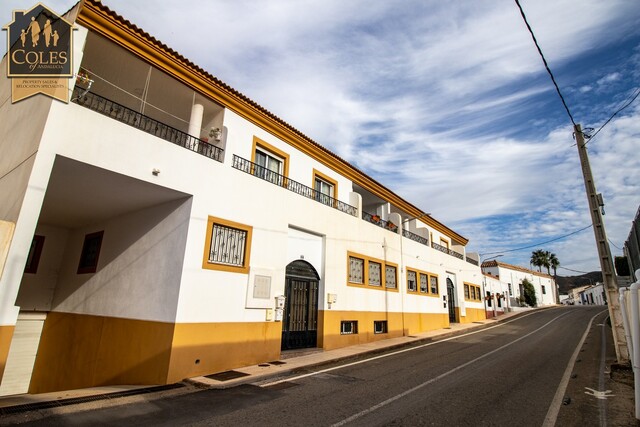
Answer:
(348, 327)
(380, 327)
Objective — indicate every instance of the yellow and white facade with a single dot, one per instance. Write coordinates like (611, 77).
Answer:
(150, 228)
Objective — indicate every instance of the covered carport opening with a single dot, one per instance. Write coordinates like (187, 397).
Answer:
(103, 276)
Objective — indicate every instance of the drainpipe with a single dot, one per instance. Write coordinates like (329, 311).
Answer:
(635, 339)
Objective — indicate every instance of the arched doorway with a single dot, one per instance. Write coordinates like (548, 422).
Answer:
(300, 317)
(451, 300)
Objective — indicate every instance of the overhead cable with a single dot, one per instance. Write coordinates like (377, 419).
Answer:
(538, 244)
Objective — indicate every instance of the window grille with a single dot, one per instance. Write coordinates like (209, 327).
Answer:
(390, 277)
(375, 274)
(424, 283)
(411, 281)
(227, 245)
(434, 285)
(356, 270)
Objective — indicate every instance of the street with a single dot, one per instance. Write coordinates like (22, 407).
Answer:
(506, 374)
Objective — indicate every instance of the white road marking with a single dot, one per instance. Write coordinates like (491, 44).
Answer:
(602, 395)
(432, 380)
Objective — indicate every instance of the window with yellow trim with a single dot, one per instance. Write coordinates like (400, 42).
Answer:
(412, 284)
(472, 292)
(270, 163)
(227, 246)
(371, 272)
(325, 188)
(424, 283)
(434, 285)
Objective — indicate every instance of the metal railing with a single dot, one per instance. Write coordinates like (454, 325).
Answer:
(282, 181)
(415, 237)
(472, 261)
(137, 120)
(375, 219)
(446, 250)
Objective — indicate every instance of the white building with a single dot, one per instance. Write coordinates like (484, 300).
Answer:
(594, 295)
(543, 284)
(496, 296)
(576, 295)
(148, 227)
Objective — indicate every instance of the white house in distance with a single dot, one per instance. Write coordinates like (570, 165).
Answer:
(150, 229)
(497, 301)
(512, 275)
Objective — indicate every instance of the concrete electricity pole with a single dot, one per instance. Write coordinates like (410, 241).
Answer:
(604, 252)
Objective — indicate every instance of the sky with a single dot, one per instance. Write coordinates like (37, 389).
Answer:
(447, 103)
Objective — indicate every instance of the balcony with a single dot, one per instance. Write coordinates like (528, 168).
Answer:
(139, 121)
(446, 250)
(375, 219)
(471, 261)
(282, 181)
(416, 238)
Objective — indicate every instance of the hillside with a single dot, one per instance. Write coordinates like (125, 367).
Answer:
(570, 282)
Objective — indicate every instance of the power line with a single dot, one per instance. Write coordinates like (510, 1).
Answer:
(616, 246)
(575, 271)
(629, 102)
(539, 244)
(535, 41)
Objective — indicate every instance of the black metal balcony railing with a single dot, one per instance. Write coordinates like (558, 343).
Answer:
(415, 237)
(375, 219)
(446, 250)
(472, 261)
(137, 120)
(282, 181)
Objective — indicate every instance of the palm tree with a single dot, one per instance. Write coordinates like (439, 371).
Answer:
(554, 263)
(538, 258)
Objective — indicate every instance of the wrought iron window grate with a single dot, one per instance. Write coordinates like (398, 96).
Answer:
(227, 245)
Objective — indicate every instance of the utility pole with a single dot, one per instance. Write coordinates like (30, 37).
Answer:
(604, 252)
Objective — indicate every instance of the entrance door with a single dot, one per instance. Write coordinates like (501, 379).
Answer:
(300, 317)
(451, 300)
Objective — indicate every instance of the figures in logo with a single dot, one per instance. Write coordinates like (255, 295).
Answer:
(46, 31)
(34, 27)
(23, 37)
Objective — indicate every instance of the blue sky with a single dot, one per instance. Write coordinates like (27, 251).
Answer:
(446, 103)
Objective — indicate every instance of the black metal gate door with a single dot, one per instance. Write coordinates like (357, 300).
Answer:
(300, 317)
(451, 301)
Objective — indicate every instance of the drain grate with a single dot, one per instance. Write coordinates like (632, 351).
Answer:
(227, 375)
(75, 400)
(277, 362)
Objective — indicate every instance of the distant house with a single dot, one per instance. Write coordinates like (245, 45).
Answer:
(513, 275)
(594, 295)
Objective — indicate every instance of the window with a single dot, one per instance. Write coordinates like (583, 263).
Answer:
(268, 167)
(434, 285)
(371, 272)
(412, 286)
(380, 327)
(544, 290)
(390, 277)
(90, 253)
(424, 283)
(271, 164)
(375, 273)
(326, 189)
(510, 289)
(472, 292)
(33, 259)
(356, 270)
(348, 327)
(227, 246)
(489, 299)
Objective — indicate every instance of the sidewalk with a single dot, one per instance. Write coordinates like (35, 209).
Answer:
(290, 361)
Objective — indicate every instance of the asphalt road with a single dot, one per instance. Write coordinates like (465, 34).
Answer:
(504, 375)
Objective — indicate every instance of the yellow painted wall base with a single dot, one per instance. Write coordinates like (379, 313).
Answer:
(205, 348)
(6, 333)
(397, 324)
(79, 351)
(473, 315)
